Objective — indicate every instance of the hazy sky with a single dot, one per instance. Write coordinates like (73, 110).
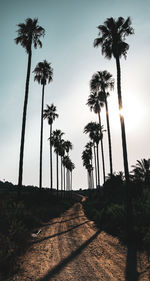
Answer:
(68, 44)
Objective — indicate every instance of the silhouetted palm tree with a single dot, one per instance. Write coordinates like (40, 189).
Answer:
(72, 167)
(102, 80)
(89, 147)
(67, 146)
(112, 40)
(56, 142)
(61, 154)
(50, 114)
(96, 105)
(141, 171)
(43, 75)
(95, 133)
(28, 35)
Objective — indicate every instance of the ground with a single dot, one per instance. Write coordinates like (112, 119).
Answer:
(71, 248)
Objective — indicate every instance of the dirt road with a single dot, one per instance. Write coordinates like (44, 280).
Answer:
(70, 248)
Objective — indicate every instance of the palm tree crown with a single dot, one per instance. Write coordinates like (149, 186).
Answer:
(101, 81)
(112, 37)
(94, 102)
(28, 33)
(43, 73)
(50, 113)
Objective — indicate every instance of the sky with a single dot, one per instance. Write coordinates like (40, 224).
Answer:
(71, 27)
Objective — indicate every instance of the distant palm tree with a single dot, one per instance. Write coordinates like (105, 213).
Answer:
(72, 167)
(43, 75)
(95, 105)
(89, 147)
(61, 154)
(112, 40)
(56, 142)
(50, 114)
(141, 171)
(28, 35)
(95, 133)
(87, 158)
(102, 80)
(67, 146)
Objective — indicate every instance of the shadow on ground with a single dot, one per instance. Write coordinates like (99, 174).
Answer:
(68, 259)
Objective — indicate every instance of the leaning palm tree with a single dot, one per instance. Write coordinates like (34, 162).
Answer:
(112, 40)
(95, 104)
(28, 36)
(50, 114)
(43, 75)
(102, 81)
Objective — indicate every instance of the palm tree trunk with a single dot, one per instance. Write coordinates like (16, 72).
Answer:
(109, 137)
(51, 167)
(98, 175)
(41, 141)
(102, 149)
(124, 146)
(61, 175)
(95, 166)
(57, 173)
(24, 124)
(129, 224)
(64, 179)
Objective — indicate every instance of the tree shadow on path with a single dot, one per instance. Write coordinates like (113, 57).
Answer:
(59, 233)
(131, 272)
(68, 259)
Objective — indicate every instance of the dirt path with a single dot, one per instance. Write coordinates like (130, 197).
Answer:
(70, 248)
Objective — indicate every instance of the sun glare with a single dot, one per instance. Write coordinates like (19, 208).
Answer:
(132, 112)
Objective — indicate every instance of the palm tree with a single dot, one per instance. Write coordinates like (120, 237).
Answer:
(61, 154)
(67, 146)
(89, 147)
(50, 114)
(102, 80)
(28, 35)
(43, 75)
(141, 171)
(87, 157)
(56, 142)
(72, 167)
(96, 105)
(112, 40)
(95, 133)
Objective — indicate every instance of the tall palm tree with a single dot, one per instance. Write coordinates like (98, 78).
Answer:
(67, 146)
(29, 34)
(50, 114)
(61, 154)
(112, 40)
(89, 147)
(72, 167)
(95, 133)
(102, 80)
(43, 75)
(87, 157)
(96, 105)
(56, 142)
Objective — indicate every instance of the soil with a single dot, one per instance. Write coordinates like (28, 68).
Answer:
(71, 248)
